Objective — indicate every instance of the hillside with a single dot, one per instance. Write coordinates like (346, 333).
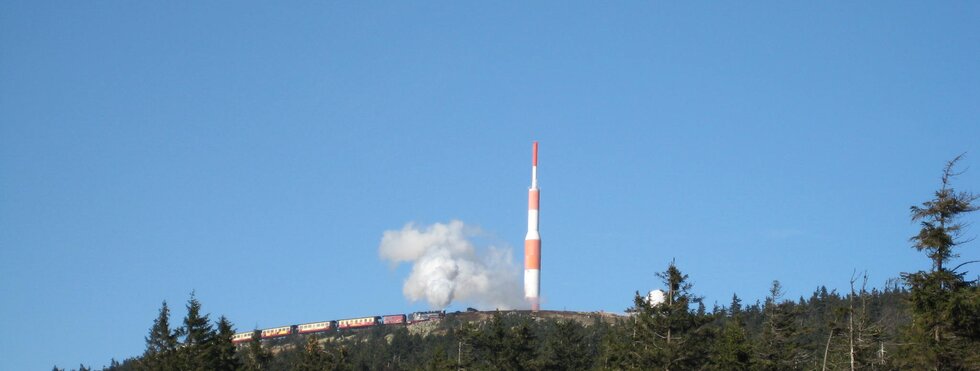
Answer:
(928, 320)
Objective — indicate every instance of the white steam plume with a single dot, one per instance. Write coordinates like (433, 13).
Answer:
(446, 266)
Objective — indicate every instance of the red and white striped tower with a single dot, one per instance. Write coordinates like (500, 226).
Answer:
(532, 243)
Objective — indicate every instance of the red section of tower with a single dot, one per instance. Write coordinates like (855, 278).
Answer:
(535, 161)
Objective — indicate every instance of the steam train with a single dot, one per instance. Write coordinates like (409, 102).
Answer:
(343, 324)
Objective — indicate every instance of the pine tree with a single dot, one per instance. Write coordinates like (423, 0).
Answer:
(944, 306)
(567, 348)
(198, 334)
(495, 345)
(313, 359)
(255, 357)
(439, 360)
(223, 350)
(732, 350)
(735, 309)
(339, 358)
(521, 346)
(616, 346)
(778, 347)
(668, 335)
(161, 344)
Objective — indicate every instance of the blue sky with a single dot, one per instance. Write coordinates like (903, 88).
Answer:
(256, 152)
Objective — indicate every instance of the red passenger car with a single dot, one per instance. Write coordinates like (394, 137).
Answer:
(393, 319)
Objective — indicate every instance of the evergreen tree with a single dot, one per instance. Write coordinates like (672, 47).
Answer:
(223, 356)
(731, 350)
(491, 341)
(735, 309)
(313, 358)
(255, 357)
(198, 334)
(498, 346)
(567, 348)
(944, 309)
(778, 348)
(161, 344)
(402, 347)
(339, 358)
(521, 346)
(668, 335)
(439, 361)
(616, 348)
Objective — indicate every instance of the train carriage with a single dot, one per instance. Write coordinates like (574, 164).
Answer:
(308, 328)
(242, 337)
(393, 319)
(277, 332)
(358, 322)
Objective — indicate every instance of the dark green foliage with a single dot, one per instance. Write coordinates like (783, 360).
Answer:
(255, 357)
(567, 348)
(616, 346)
(941, 230)
(502, 344)
(162, 338)
(669, 335)
(438, 360)
(130, 364)
(195, 353)
(340, 358)
(222, 350)
(942, 302)
(202, 349)
(731, 350)
(522, 348)
(722, 340)
(314, 359)
(161, 344)
(778, 346)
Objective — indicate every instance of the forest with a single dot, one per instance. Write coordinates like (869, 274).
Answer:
(924, 320)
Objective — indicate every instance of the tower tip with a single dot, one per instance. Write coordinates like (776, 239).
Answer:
(535, 163)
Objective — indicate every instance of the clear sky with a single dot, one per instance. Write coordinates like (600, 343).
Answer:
(256, 152)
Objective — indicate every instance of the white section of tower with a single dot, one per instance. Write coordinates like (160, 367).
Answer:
(532, 226)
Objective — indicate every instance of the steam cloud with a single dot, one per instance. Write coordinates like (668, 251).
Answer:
(446, 266)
